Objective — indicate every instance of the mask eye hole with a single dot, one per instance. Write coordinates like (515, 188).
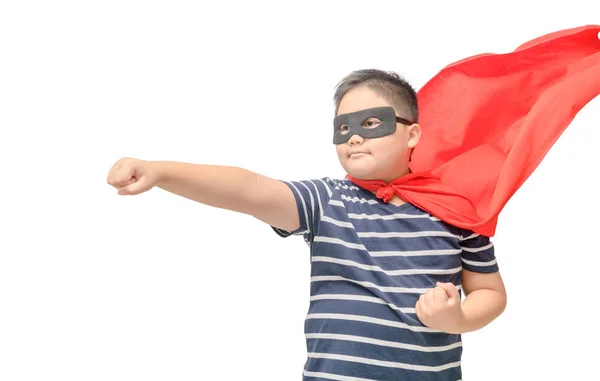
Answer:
(371, 123)
(344, 129)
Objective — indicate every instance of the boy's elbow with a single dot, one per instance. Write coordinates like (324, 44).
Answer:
(502, 300)
(273, 202)
(500, 289)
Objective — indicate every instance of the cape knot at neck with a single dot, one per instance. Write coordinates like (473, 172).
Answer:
(385, 193)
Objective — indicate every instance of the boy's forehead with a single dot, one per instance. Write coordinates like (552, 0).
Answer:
(360, 99)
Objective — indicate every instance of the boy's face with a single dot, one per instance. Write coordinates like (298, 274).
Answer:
(384, 158)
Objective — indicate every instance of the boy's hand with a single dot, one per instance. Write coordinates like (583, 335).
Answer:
(131, 176)
(440, 308)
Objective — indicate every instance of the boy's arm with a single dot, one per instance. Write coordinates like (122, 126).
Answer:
(232, 188)
(485, 299)
(485, 296)
(441, 308)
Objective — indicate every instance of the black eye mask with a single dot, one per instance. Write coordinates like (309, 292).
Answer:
(355, 122)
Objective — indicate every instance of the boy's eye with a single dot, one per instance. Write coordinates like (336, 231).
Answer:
(344, 128)
(371, 123)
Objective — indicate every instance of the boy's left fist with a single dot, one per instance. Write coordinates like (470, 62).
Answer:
(439, 308)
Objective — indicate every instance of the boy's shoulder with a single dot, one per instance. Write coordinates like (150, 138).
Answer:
(343, 184)
(332, 184)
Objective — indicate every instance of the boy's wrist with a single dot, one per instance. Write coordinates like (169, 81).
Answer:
(157, 171)
(462, 323)
(457, 324)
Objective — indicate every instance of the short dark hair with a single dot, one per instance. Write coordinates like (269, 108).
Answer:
(389, 85)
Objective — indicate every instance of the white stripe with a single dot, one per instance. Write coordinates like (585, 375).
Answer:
(361, 200)
(329, 192)
(367, 319)
(337, 223)
(388, 234)
(361, 298)
(471, 236)
(395, 216)
(312, 204)
(337, 203)
(351, 187)
(477, 249)
(288, 233)
(389, 364)
(303, 206)
(404, 290)
(336, 377)
(475, 263)
(318, 198)
(415, 253)
(346, 262)
(338, 241)
(358, 246)
(383, 343)
(407, 234)
(282, 231)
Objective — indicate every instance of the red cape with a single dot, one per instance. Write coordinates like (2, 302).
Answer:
(488, 121)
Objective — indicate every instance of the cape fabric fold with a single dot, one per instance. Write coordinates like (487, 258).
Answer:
(488, 121)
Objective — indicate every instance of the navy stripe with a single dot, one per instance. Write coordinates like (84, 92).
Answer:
(409, 243)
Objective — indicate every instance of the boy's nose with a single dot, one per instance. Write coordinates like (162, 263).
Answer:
(355, 139)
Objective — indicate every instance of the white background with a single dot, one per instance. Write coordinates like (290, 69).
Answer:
(94, 286)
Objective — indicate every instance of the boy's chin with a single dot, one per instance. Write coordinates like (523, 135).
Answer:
(362, 173)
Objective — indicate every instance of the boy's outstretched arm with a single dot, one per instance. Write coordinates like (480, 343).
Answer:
(232, 188)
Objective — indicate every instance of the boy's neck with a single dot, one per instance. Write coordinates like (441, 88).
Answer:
(404, 172)
(397, 201)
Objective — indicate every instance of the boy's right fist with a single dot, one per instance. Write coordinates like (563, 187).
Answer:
(131, 176)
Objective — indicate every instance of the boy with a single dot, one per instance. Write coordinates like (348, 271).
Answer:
(386, 277)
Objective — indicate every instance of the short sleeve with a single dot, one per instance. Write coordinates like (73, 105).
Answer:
(312, 197)
(478, 254)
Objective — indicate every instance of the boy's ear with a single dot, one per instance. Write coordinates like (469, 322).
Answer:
(414, 134)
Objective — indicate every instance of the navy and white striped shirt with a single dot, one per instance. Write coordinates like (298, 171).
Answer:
(370, 262)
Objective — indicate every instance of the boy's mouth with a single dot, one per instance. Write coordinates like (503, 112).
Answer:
(356, 154)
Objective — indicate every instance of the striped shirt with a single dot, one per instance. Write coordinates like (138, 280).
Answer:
(370, 262)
